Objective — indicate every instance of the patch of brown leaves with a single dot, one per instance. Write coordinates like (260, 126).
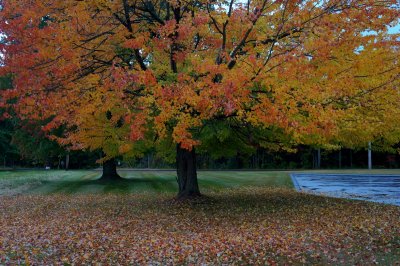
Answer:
(242, 226)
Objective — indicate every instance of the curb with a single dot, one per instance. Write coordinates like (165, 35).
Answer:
(295, 182)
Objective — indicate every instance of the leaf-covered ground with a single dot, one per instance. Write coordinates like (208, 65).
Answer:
(249, 225)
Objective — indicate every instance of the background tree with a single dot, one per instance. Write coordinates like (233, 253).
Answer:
(122, 72)
(6, 127)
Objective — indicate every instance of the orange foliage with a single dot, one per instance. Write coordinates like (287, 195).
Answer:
(307, 67)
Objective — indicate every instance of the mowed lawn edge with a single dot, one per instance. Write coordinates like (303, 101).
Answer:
(85, 181)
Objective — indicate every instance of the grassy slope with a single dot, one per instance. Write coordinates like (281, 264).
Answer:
(45, 182)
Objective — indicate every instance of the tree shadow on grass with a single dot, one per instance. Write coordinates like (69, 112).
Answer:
(138, 185)
(123, 185)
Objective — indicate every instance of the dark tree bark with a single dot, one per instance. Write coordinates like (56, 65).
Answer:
(351, 158)
(187, 173)
(67, 162)
(110, 170)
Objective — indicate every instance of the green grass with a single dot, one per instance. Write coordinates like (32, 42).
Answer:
(70, 182)
(85, 181)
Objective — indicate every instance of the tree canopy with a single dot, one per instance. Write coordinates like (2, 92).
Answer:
(123, 74)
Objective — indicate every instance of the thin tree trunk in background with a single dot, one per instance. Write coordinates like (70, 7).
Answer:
(369, 155)
(186, 169)
(67, 161)
(314, 165)
(351, 158)
(340, 158)
(319, 158)
(263, 159)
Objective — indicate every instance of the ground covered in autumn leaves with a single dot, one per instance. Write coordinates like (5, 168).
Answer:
(237, 225)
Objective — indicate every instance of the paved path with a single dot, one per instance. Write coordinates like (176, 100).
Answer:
(377, 188)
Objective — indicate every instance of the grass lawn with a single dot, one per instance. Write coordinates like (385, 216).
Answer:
(58, 217)
(71, 182)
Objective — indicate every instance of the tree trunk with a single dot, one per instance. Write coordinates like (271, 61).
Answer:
(369, 156)
(110, 170)
(314, 160)
(67, 162)
(351, 158)
(319, 158)
(187, 173)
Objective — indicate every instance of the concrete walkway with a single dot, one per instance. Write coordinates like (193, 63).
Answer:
(371, 187)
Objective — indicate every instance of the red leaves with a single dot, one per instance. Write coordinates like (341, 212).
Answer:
(137, 122)
(137, 43)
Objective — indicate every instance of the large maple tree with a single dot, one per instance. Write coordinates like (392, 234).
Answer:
(117, 72)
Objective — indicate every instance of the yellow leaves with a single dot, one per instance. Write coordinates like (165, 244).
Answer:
(125, 148)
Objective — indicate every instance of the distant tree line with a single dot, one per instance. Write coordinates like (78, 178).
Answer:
(304, 158)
